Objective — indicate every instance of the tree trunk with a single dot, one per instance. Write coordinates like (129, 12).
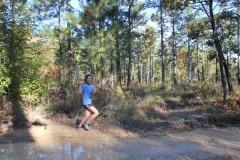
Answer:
(69, 58)
(112, 64)
(223, 81)
(188, 60)
(124, 70)
(150, 67)
(148, 70)
(118, 59)
(129, 46)
(61, 68)
(219, 50)
(138, 62)
(203, 65)
(174, 51)
(238, 54)
(14, 60)
(228, 75)
(162, 43)
(198, 64)
(69, 46)
(217, 71)
(1, 101)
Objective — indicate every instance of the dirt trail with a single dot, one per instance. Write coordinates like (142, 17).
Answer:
(58, 142)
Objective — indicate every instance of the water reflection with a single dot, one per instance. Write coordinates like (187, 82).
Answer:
(25, 151)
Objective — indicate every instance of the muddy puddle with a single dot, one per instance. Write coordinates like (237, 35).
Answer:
(207, 144)
(67, 151)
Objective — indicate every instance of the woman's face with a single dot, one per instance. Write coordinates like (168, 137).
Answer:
(89, 79)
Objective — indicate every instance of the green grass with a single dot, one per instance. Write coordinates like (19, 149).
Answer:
(210, 109)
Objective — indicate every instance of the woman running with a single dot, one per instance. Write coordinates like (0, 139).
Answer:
(91, 112)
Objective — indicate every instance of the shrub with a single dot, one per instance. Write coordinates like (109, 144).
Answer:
(210, 109)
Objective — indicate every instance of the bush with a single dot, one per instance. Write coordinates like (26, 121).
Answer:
(210, 109)
(188, 96)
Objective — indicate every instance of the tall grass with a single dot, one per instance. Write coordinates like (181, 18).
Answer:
(145, 102)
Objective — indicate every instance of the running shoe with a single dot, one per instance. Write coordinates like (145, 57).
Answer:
(80, 129)
(86, 126)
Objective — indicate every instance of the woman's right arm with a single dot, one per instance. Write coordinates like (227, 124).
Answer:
(80, 87)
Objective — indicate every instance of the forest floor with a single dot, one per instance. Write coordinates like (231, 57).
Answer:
(179, 134)
(174, 120)
(153, 125)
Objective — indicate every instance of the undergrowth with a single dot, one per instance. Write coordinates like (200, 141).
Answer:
(146, 103)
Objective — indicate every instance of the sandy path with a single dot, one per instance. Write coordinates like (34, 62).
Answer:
(64, 142)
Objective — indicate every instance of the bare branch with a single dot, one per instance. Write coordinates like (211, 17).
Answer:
(201, 2)
(216, 5)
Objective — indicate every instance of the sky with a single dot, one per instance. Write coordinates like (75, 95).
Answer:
(148, 12)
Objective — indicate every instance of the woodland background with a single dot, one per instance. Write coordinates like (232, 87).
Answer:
(187, 55)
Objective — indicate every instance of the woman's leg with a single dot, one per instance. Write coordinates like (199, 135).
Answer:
(94, 115)
(86, 116)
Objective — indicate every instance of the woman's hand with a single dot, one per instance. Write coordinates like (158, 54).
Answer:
(81, 82)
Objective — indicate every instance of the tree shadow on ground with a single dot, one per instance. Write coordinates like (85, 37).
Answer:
(11, 122)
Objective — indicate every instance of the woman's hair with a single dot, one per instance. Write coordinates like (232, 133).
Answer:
(86, 77)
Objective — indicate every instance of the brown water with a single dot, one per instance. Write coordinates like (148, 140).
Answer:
(199, 145)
